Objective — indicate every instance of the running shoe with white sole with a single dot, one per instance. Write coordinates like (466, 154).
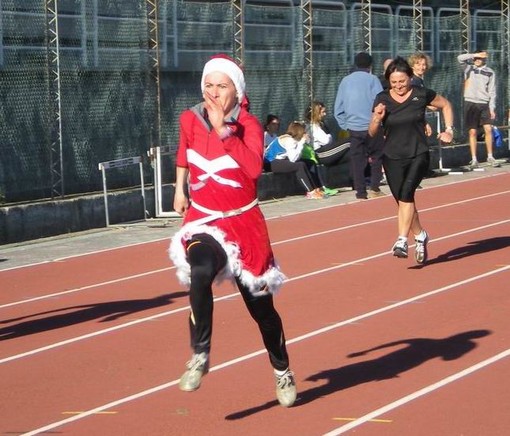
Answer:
(493, 162)
(473, 164)
(286, 389)
(420, 250)
(197, 367)
(400, 249)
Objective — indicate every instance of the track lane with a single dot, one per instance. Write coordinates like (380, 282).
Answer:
(304, 296)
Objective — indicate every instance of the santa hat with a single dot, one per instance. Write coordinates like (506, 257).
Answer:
(226, 65)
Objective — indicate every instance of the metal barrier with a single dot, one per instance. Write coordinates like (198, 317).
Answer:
(437, 116)
(121, 163)
(155, 154)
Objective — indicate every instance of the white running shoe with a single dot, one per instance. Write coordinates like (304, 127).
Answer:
(286, 389)
(420, 250)
(473, 164)
(493, 162)
(400, 249)
(197, 367)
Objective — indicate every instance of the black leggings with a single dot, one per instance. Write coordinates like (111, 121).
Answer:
(207, 258)
(405, 175)
(300, 167)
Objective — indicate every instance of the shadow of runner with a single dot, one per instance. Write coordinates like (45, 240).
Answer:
(416, 352)
(471, 249)
(109, 311)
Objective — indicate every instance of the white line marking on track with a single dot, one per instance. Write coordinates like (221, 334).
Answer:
(83, 288)
(268, 219)
(393, 217)
(260, 352)
(285, 241)
(426, 390)
(236, 294)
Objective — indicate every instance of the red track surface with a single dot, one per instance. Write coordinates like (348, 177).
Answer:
(94, 345)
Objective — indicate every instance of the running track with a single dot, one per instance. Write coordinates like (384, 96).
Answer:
(95, 344)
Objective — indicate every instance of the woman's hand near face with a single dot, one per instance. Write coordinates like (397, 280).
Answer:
(215, 111)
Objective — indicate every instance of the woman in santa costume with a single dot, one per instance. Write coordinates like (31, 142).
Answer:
(224, 234)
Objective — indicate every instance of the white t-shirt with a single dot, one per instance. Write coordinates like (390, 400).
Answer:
(320, 137)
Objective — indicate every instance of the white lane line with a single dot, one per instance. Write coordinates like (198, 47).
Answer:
(426, 390)
(285, 241)
(236, 294)
(260, 352)
(89, 253)
(83, 288)
(393, 217)
(267, 219)
(102, 332)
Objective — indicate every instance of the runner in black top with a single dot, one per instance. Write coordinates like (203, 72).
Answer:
(400, 111)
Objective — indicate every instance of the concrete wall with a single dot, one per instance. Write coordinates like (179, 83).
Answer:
(26, 222)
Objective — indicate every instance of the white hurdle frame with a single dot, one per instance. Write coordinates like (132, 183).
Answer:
(440, 145)
(121, 163)
(155, 154)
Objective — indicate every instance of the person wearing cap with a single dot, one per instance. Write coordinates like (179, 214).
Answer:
(479, 102)
(400, 112)
(224, 234)
(352, 111)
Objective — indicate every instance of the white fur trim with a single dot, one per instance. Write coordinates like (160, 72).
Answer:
(273, 277)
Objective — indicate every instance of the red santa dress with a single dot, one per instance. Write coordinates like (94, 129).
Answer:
(223, 178)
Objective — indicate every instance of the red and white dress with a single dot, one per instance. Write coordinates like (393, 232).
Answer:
(223, 178)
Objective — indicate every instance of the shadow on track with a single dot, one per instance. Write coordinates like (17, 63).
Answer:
(471, 249)
(411, 353)
(109, 311)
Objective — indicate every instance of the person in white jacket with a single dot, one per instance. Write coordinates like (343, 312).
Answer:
(284, 156)
(329, 152)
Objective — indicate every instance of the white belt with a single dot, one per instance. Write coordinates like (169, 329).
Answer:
(217, 214)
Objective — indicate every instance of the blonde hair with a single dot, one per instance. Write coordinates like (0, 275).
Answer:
(296, 129)
(415, 57)
(313, 112)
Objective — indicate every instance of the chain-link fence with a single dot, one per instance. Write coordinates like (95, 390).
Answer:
(101, 71)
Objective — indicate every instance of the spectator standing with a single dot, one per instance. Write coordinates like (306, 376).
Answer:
(284, 156)
(479, 102)
(420, 63)
(382, 78)
(400, 111)
(224, 234)
(353, 111)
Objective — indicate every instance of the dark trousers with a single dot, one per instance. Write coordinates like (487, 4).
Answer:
(300, 168)
(207, 258)
(365, 149)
